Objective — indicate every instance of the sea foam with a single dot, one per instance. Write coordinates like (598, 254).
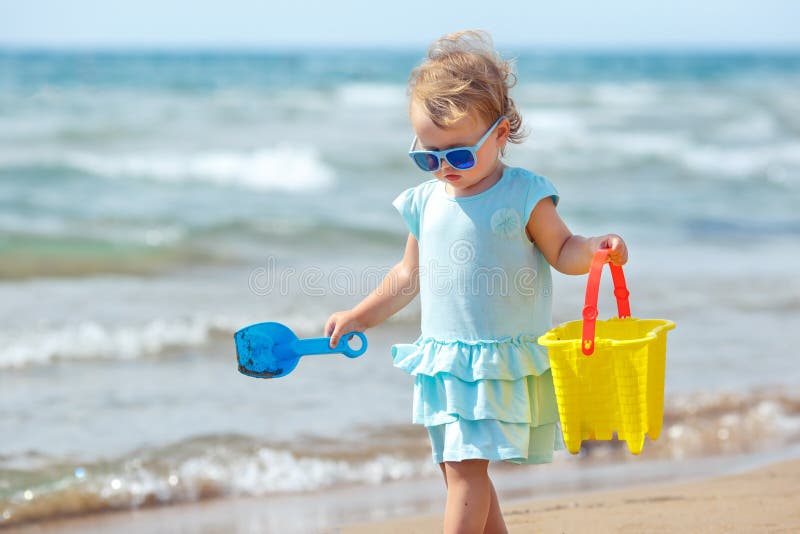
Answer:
(282, 167)
(93, 340)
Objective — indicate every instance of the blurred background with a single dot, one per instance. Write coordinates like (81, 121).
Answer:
(171, 172)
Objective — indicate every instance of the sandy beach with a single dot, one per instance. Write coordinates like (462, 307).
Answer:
(763, 500)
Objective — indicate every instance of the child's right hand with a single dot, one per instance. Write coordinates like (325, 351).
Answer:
(340, 323)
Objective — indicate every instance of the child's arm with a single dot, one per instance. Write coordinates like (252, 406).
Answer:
(566, 252)
(398, 288)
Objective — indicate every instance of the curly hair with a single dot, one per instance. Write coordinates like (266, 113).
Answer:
(462, 75)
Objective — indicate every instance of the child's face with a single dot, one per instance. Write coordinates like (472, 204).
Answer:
(465, 132)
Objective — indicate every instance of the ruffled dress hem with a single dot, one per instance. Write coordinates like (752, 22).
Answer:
(495, 442)
(483, 399)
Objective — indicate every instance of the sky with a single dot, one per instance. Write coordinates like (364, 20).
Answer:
(714, 24)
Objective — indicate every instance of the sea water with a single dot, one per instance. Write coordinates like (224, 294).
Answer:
(152, 203)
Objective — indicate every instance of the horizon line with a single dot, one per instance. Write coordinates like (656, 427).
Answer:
(630, 47)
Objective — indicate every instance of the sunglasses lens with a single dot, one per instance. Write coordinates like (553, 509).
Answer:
(461, 159)
(426, 162)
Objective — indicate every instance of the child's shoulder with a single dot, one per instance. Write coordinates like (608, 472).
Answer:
(411, 203)
(530, 186)
(424, 188)
(419, 193)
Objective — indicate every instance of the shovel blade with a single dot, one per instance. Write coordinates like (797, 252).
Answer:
(264, 350)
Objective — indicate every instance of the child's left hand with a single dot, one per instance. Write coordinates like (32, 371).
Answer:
(618, 255)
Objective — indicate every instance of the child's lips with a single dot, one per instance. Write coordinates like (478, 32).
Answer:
(452, 177)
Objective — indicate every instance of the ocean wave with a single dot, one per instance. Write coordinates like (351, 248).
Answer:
(36, 487)
(91, 340)
(779, 162)
(373, 95)
(283, 167)
(195, 469)
(568, 140)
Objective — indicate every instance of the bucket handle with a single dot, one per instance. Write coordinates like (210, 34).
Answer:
(593, 289)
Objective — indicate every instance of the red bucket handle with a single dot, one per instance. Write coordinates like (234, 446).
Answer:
(593, 289)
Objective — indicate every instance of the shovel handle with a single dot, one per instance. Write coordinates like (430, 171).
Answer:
(321, 345)
(593, 288)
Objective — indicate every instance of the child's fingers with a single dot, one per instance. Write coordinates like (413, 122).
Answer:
(337, 332)
(334, 339)
(617, 250)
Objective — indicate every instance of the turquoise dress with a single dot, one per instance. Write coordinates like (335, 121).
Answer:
(483, 387)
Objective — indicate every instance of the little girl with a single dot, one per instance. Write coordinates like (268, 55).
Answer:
(482, 238)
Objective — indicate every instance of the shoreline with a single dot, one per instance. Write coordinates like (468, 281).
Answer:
(546, 498)
(763, 499)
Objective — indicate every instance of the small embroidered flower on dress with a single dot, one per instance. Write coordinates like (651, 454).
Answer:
(506, 222)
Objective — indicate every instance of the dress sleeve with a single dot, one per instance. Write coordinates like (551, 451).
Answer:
(539, 187)
(408, 206)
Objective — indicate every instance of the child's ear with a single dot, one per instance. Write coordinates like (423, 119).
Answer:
(503, 131)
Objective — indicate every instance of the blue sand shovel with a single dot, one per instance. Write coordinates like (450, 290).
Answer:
(271, 350)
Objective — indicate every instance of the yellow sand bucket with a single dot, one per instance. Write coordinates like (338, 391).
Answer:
(611, 381)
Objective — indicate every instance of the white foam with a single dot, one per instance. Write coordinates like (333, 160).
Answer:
(87, 340)
(565, 137)
(281, 471)
(550, 127)
(282, 167)
(218, 472)
(753, 128)
(543, 95)
(744, 161)
(373, 95)
(272, 470)
(625, 95)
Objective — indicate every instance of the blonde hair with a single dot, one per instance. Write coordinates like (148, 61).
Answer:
(462, 75)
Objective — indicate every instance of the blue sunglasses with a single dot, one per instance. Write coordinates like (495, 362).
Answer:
(461, 158)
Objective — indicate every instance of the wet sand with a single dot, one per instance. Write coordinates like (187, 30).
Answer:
(762, 500)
